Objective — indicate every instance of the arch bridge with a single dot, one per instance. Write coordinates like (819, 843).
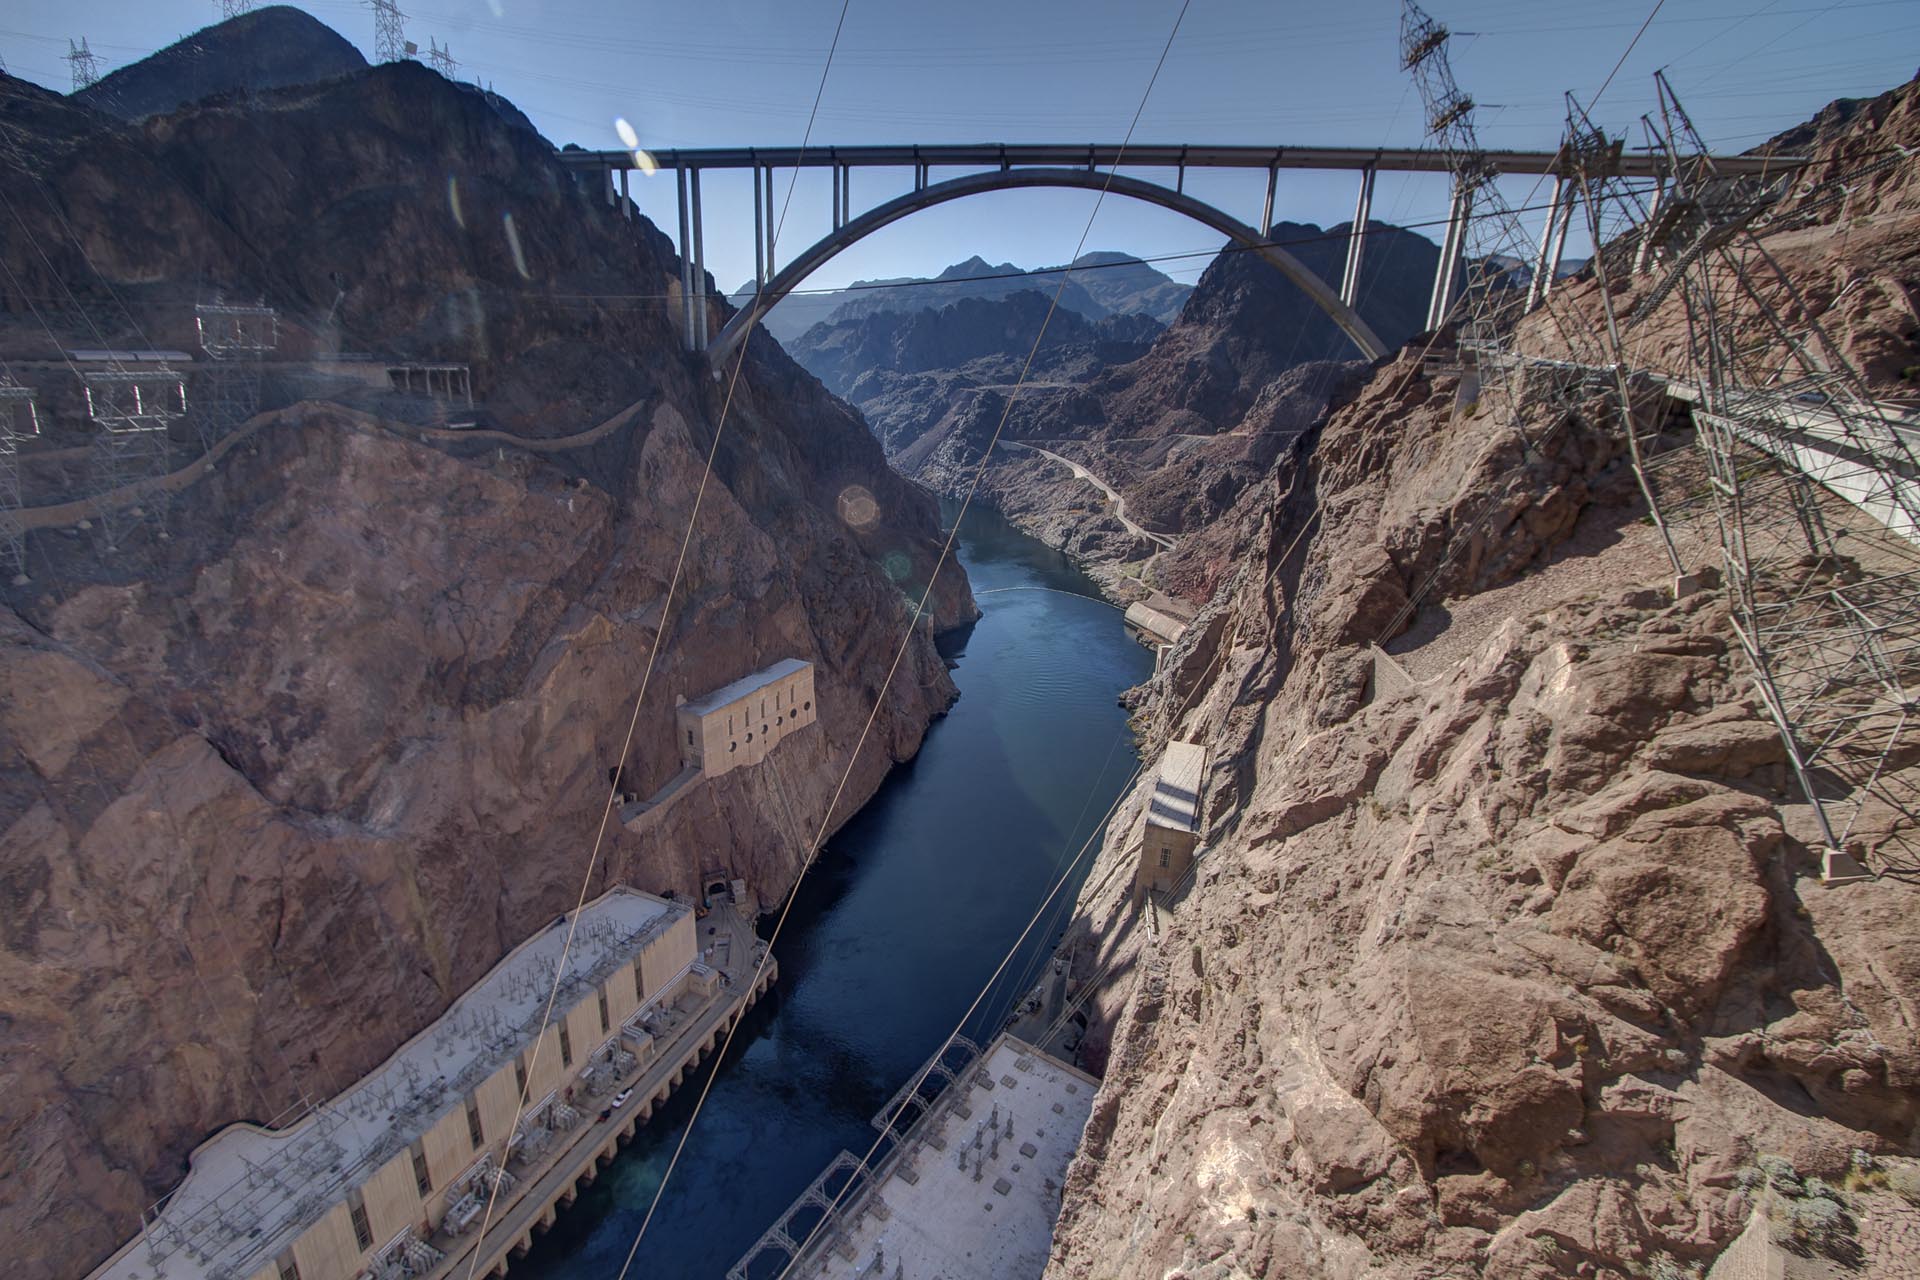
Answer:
(999, 167)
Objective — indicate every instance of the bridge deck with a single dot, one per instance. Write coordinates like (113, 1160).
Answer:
(1101, 155)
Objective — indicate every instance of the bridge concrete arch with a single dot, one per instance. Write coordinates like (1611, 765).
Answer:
(854, 230)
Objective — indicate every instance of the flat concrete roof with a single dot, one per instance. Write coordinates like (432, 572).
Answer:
(745, 685)
(251, 1191)
(945, 1222)
(103, 355)
(1176, 787)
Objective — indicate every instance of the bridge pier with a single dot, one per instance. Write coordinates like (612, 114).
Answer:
(1547, 262)
(1446, 275)
(759, 232)
(1559, 242)
(773, 231)
(626, 200)
(1357, 239)
(1266, 213)
(1643, 253)
(700, 310)
(686, 263)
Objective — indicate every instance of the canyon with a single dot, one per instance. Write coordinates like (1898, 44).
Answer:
(1510, 948)
(297, 760)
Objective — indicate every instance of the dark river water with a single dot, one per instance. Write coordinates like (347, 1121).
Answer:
(897, 927)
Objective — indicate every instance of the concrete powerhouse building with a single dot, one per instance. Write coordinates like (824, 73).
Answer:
(741, 722)
(1170, 830)
(392, 1178)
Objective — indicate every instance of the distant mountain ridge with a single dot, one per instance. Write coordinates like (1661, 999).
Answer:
(1104, 283)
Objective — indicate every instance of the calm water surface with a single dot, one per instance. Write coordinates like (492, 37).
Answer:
(896, 928)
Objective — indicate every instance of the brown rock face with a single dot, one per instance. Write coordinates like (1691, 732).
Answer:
(1508, 957)
(1510, 973)
(1185, 432)
(277, 788)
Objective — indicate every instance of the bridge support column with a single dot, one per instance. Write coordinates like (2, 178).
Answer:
(1643, 253)
(1357, 239)
(1266, 214)
(1446, 274)
(686, 263)
(626, 200)
(1547, 262)
(1560, 241)
(699, 268)
(773, 235)
(759, 234)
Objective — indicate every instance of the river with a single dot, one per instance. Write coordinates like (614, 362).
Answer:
(901, 921)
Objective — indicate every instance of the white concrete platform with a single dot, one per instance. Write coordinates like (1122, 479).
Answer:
(935, 1218)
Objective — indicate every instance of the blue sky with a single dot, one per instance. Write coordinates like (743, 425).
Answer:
(739, 72)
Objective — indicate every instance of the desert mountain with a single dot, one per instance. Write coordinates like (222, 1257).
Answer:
(270, 48)
(1102, 284)
(280, 783)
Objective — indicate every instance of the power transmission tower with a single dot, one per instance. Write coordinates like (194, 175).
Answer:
(441, 60)
(86, 67)
(18, 421)
(1824, 601)
(233, 8)
(234, 338)
(389, 31)
(133, 409)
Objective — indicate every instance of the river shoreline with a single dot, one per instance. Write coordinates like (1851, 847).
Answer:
(895, 931)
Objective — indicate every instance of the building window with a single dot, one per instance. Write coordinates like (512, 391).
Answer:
(807, 705)
(566, 1047)
(289, 1269)
(474, 1129)
(1166, 856)
(733, 746)
(520, 1078)
(362, 1232)
(606, 1023)
(749, 735)
(689, 737)
(422, 1176)
(639, 988)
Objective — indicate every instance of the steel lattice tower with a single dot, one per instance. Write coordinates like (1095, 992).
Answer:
(18, 420)
(86, 67)
(133, 409)
(389, 31)
(235, 339)
(234, 8)
(1825, 602)
(441, 60)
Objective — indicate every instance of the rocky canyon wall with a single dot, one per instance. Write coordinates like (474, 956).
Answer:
(280, 783)
(1508, 953)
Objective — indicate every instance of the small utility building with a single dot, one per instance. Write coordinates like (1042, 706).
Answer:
(741, 722)
(1171, 829)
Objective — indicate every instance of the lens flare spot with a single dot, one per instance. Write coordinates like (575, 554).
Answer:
(513, 243)
(858, 508)
(453, 201)
(897, 565)
(644, 162)
(628, 138)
